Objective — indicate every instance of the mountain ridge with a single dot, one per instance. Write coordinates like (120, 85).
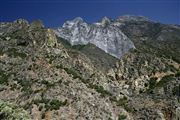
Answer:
(47, 78)
(105, 36)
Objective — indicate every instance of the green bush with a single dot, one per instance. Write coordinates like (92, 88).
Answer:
(11, 112)
(59, 66)
(66, 83)
(165, 80)
(47, 83)
(177, 74)
(53, 104)
(152, 83)
(26, 85)
(122, 102)
(13, 52)
(1, 51)
(72, 72)
(99, 89)
(51, 58)
(3, 77)
(122, 117)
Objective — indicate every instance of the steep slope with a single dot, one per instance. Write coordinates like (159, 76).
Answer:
(103, 61)
(51, 79)
(153, 68)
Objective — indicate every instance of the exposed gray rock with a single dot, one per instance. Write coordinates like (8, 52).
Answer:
(103, 34)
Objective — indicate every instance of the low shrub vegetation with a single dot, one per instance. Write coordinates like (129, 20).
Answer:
(53, 104)
(165, 80)
(9, 111)
(3, 77)
(13, 52)
(122, 117)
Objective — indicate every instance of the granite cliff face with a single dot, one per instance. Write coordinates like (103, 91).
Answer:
(47, 77)
(103, 34)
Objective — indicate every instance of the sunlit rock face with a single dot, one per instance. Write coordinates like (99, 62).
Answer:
(104, 34)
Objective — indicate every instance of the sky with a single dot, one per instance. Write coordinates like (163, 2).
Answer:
(54, 13)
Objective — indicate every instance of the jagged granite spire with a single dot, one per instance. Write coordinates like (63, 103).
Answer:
(104, 21)
(103, 34)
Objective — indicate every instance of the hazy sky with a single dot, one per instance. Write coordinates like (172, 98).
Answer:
(55, 12)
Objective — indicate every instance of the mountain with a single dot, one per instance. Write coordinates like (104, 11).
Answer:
(102, 34)
(115, 69)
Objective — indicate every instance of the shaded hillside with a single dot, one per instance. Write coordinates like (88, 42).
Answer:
(98, 57)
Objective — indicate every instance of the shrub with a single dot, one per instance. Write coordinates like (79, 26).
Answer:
(66, 83)
(11, 112)
(73, 72)
(177, 74)
(122, 117)
(59, 66)
(1, 51)
(3, 77)
(165, 80)
(13, 52)
(99, 89)
(47, 83)
(152, 83)
(53, 104)
(51, 58)
(122, 102)
(26, 85)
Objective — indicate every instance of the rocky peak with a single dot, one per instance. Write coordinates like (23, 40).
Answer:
(104, 35)
(78, 19)
(104, 21)
(74, 22)
(21, 21)
(37, 24)
(25, 34)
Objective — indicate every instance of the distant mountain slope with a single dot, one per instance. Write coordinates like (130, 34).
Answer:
(163, 40)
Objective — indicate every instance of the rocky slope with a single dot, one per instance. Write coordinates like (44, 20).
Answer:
(49, 81)
(48, 78)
